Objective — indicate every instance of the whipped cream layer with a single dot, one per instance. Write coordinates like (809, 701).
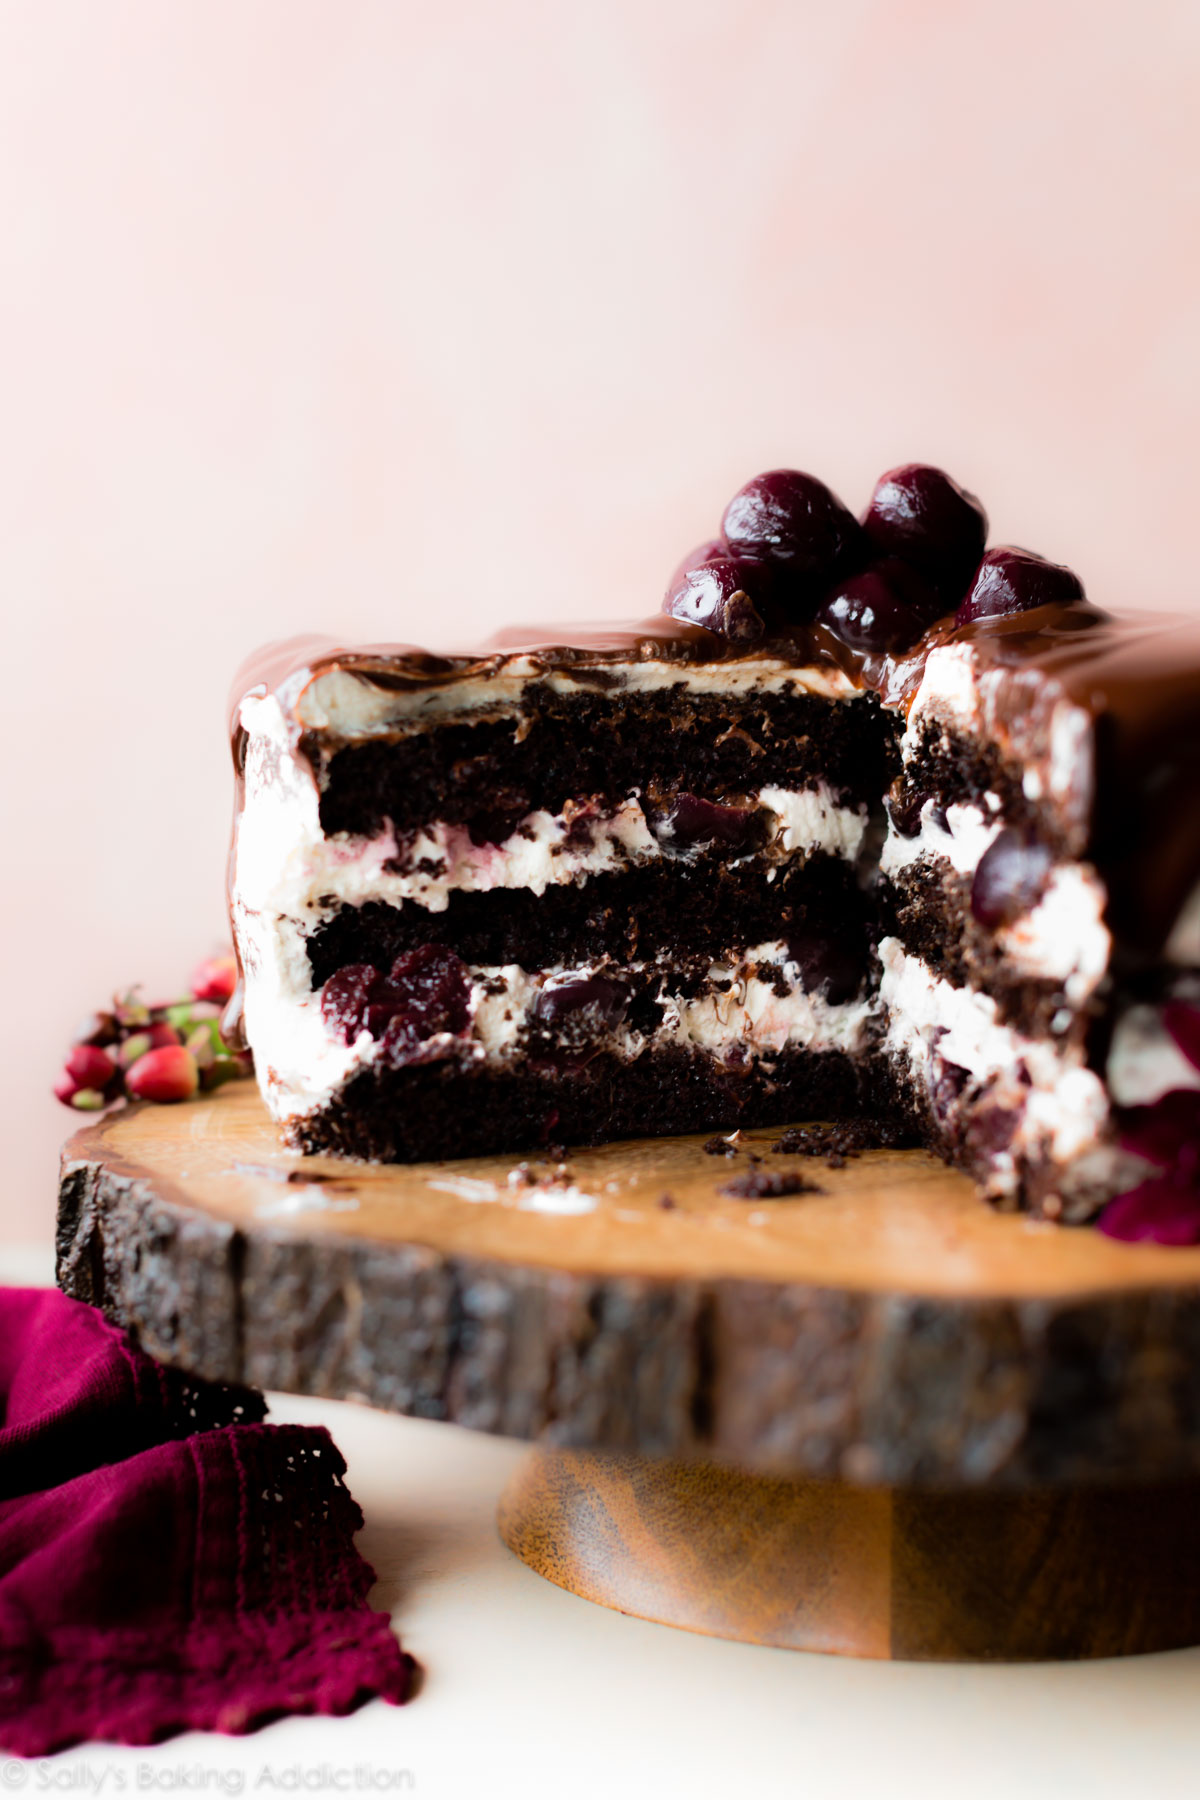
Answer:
(739, 1012)
(1061, 1107)
(552, 849)
(741, 1008)
(1050, 740)
(959, 834)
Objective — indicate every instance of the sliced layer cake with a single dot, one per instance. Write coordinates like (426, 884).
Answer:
(867, 821)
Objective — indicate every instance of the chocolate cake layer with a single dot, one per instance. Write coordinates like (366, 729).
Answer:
(951, 769)
(407, 1115)
(558, 747)
(706, 908)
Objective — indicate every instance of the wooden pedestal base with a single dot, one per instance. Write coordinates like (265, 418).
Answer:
(887, 1324)
(864, 1571)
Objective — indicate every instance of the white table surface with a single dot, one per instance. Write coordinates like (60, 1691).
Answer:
(531, 1692)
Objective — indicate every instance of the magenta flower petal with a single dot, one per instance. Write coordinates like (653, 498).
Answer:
(1162, 1133)
(1157, 1212)
(1183, 1023)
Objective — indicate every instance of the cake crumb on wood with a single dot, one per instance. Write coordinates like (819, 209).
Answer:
(768, 1184)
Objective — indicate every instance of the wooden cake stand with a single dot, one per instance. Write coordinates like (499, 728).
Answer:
(877, 1419)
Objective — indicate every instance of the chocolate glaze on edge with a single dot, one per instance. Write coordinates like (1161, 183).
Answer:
(1137, 676)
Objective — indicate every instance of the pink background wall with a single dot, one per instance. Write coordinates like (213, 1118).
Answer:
(401, 320)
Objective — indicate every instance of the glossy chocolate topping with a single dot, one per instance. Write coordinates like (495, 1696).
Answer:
(293, 663)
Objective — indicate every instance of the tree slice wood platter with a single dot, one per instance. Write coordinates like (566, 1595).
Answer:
(889, 1329)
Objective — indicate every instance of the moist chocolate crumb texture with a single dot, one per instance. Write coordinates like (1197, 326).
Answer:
(869, 822)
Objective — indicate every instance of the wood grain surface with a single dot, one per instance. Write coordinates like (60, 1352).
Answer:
(910, 1575)
(888, 1329)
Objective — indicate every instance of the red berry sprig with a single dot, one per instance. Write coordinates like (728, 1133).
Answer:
(165, 1052)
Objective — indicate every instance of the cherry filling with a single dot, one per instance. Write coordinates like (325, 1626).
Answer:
(424, 995)
(950, 1081)
(906, 804)
(689, 822)
(832, 966)
(568, 1019)
(1011, 877)
(592, 1000)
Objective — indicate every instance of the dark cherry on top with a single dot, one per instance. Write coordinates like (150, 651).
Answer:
(919, 514)
(1009, 580)
(790, 553)
(784, 537)
(886, 607)
(793, 521)
(716, 593)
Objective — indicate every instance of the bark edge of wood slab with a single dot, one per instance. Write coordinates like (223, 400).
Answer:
(908, 1575)
(890, 1330)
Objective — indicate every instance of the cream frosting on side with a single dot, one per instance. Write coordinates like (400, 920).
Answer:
(956, 692)
(297, 1061)
(961, 841)
(1063, 938)
(948, 694)
(1060, 1104)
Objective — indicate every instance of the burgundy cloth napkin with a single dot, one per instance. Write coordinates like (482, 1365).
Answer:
(167, 1561)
